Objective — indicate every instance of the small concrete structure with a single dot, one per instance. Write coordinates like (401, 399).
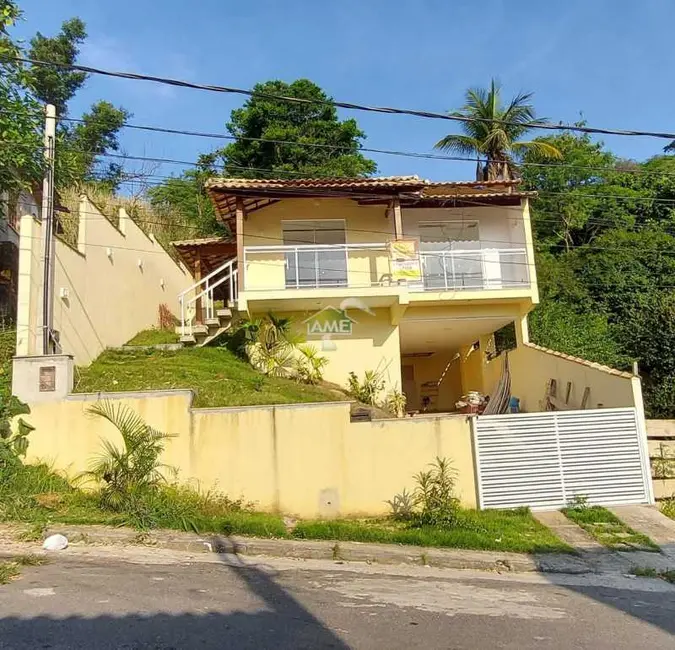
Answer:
(42, 379)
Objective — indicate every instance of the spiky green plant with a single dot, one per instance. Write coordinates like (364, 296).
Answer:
(309, 364)
(129, 470)
(492, 132)
(271, 345)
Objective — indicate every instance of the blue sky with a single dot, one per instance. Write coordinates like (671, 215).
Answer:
(609, 60)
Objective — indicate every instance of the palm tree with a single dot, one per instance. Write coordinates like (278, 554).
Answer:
(133, 468)
(492, 132)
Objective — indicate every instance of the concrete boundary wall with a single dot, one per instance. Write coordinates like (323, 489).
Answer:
(661, 441)
(106, 289)
(533, 366)
(278, 457)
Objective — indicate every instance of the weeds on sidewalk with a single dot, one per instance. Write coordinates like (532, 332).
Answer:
(650, 572)
(608, 529)
(10, 569)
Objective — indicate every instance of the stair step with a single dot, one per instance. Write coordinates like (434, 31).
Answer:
(224, 313)
(215, 335)
(212, 322)
(188, 340)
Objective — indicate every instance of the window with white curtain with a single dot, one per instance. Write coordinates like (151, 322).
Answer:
(311, 264)
(447, 254)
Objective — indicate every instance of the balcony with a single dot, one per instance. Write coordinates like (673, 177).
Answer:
(357, 266)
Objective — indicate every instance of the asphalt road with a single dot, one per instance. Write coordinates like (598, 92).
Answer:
(161, 601)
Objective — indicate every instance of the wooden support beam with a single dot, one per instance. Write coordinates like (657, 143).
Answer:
(198, 277)
(398, 221)
(239, 228)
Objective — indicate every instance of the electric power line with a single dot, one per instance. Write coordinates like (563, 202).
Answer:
(341, 104)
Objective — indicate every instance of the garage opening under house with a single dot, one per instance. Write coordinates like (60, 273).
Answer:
(400, 275)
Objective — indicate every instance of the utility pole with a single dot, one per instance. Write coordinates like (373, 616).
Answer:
(48, 230)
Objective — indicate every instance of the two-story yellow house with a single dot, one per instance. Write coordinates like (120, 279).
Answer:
(400, 275)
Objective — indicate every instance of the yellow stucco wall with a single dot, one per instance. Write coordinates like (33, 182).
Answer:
(105, 292)
(532, 367)
(308, 460)
(373, 345)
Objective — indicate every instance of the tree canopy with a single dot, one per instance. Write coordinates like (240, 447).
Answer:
(23, 91)
(274, 138)
(605, 236)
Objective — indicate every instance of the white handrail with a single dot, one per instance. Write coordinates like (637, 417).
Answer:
(222, 267)
(227, 272)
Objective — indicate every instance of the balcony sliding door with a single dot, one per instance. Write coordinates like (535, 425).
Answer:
(318, 257)
(448, 257)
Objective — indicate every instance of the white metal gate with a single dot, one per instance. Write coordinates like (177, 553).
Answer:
(543, 460)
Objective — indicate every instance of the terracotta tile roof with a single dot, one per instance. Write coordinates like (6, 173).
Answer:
(205, 241)
(413, 190)
(478, 195)
(384, 182)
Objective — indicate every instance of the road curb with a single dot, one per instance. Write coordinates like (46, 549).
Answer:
(340, 551)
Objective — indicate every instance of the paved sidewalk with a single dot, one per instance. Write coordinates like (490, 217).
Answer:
(591, 551)
(649, 521)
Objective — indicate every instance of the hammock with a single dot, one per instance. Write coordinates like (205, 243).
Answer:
(501, 395)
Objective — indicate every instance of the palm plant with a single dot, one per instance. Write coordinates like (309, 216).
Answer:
(492, 132)
(272, 345)
(132, 469)
(309, 364)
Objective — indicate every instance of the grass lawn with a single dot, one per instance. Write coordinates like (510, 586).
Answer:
(218, 376)
(609, 530)
(154, 337)
(36, 496)
(7, 347)
(501, 530)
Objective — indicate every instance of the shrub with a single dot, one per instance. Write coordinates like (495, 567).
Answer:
(435, 493)
(368, 390)
(668, 507)
(395, 402)
(403, 506)
(129, 472)
(309, 364)
(433, 502)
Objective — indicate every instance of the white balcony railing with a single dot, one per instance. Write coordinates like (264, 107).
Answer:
(368, 265)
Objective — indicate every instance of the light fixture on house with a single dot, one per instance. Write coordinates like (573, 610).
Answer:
(109, 253)
(140, 263)
(161, 282)
(64, 293)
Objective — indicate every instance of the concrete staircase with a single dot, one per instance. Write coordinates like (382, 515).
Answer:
(210, 330)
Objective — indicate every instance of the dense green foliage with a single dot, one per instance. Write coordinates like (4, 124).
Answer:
(23, 91)
(605, 236)
(272, 138)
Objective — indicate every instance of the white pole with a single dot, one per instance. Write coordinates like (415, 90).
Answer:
(48, 230)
